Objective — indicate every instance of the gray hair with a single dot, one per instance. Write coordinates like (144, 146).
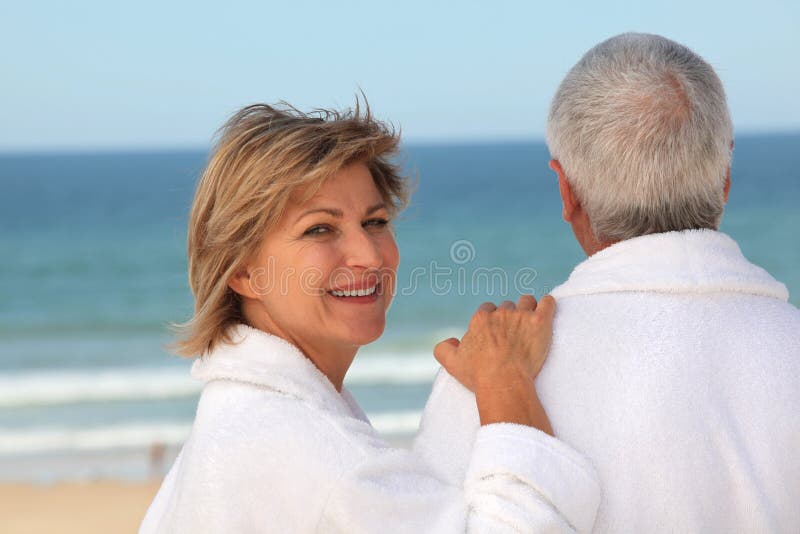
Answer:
(641, 128)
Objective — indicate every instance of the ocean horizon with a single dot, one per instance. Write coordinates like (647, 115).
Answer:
(93, 272)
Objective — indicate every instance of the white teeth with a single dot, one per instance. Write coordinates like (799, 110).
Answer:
(355, 292)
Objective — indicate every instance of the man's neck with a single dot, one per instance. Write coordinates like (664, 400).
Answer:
(596, 246)
(582, 229)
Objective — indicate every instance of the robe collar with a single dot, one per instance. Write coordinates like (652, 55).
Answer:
(686, 262)
(267, 361)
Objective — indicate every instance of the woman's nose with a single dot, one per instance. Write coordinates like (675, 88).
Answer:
(362, 250)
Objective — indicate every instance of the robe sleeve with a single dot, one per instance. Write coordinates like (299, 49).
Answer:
(518, 480)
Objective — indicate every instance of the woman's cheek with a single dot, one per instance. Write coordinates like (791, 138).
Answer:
(392, 258)
(314, 265)
(391, 262)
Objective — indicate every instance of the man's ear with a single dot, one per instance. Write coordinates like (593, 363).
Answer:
(569, 201)
(242, 283)
(727, 188)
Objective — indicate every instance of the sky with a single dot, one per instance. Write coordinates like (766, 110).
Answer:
(100, 75)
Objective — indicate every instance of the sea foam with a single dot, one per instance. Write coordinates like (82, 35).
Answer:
(37, 440)
(67, 386)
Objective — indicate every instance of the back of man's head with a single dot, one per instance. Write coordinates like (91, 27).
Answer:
(642, 131)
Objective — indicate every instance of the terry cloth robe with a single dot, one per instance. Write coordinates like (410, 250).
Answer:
(275, 448)
(675, 368)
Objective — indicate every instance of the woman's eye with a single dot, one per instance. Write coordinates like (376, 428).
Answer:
(376, 223)
(317, 230)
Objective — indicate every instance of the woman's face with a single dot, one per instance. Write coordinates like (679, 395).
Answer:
(324, 277)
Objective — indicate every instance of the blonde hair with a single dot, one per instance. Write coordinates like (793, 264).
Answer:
(263, 154)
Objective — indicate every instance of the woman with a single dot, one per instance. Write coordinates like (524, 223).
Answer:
(292, 263)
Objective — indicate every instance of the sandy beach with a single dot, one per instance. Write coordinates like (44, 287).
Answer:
(74, 507)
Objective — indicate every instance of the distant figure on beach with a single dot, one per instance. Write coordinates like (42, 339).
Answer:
(158, 451)
(675, 362)
(292, 263)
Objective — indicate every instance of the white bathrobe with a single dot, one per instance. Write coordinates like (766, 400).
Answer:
(675, 367)
(275, 448)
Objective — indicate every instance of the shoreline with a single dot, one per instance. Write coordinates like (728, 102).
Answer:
(127, 465)
(134, 466)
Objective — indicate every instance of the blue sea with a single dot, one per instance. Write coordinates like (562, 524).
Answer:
(93, 270)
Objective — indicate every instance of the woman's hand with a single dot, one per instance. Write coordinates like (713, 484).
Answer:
(500, 356)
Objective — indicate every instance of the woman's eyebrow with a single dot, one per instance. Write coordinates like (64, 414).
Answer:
(376, 207)
(333, 212)
(330, 211)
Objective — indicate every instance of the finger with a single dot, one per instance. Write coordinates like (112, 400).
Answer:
(445, 351)
(487, 307)
(547, 307)
(507, 305)
(527, 302)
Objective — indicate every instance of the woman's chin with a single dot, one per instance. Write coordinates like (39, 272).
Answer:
(366, 334)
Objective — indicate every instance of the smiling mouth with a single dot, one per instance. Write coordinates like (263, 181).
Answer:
(365, 292)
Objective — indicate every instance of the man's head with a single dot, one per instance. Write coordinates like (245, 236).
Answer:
(641, 137)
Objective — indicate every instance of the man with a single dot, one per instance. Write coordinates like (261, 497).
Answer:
(675, 363)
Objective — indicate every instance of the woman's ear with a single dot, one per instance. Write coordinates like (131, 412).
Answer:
(242, 283)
